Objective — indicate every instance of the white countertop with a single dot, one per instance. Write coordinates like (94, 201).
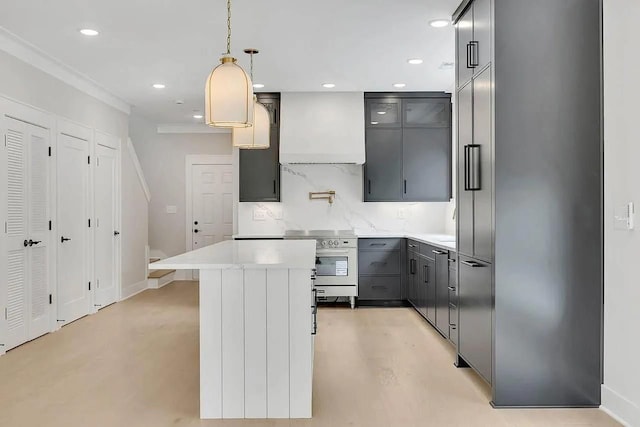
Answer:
(445, 241)
(246, 254)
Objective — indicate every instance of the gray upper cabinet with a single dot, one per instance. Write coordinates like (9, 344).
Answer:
(426, 155)
(464, 38)
(408, 147)
(259, 179)
(473, 40)
(383, 168)
(383, 112)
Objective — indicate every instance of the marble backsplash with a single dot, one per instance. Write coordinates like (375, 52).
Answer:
(348, 211)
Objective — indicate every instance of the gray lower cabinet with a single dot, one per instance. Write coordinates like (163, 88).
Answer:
(453, 298)
(412, 272)
(259, 179)
(380, 270)
(442, 291)
(475, 301)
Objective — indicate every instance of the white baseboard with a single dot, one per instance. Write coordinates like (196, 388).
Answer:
(135, 289)
(620, 408)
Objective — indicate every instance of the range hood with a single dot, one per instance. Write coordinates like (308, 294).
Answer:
(322, 127)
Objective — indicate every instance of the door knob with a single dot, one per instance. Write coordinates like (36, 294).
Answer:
(26, 243)
(196, 230)
(64, 239)
(195, 222)
(33, 242)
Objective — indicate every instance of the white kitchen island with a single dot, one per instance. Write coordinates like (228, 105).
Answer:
(257, 321)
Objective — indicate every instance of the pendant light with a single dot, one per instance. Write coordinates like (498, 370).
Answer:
(258, 136)
(229, 91)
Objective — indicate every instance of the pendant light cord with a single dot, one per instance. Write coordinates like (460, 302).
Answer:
(251, 66)
(228, 27)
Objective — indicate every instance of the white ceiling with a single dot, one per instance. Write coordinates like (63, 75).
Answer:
(360, 45)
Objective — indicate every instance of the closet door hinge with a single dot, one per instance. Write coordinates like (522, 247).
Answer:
(49, 151)
(50, 226)
(50, 299)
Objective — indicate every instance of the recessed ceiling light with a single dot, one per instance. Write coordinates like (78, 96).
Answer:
(415, 61)
(439, 23)
(374, 123)
(198, 116)
(382, 113)
(399, 85)
(447, 65)
(89, 32)
(328, 85)
(158, 86)
(258, 85)
(179, 102)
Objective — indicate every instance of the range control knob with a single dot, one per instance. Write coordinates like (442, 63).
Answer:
(323, 243)
(330, 242)
(335, 242)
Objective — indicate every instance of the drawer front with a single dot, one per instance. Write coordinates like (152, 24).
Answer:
(453, 287)
(379, 262)
(413, 245)
(379, 288)
(453, 315)
(453, 261)
(431, 251)
(453, 335)
(379, 244)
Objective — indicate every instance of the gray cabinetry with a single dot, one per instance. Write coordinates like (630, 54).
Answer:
(441, 264)
(380, 271)
(475, 299)
(259, 179)
(529, 205)
(408, 147)
(383, 169)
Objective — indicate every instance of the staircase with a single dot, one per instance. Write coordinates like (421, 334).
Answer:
(159, 278)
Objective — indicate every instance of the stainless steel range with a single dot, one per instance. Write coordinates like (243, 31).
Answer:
(336, 261)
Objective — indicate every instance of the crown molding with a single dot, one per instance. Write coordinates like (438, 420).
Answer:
(190, 128)
(32, 55)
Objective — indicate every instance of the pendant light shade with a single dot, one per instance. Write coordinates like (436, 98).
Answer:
(229, 91)
(229, 96)
(258, 136)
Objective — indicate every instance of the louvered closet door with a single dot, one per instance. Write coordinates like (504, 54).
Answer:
(27, 248)
(15, 251)
(73, 213)
(105, 206)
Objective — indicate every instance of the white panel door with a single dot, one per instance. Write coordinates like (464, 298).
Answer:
(25, 252)
(212, 200)
(73, 213)
(105, 226)
(38, 220)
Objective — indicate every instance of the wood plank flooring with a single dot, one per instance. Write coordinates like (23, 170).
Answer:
(135, 364)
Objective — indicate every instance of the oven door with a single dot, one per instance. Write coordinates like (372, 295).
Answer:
(337, 267)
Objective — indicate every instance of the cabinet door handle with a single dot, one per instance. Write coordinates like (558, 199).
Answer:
(438, 252)
(472, 167)
(472, 264)
(475, 47)
(426, 274)
(451, 288)
(405, 186)
(64, 239)
(378, 244)
(469, 56)
(378, 263)
(413, 246)
(412, 266)
(34, 242)
(274, 187)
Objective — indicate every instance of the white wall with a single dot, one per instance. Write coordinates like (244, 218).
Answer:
(27, 84)
(162, 157)
(621, 390)
(296, 211)
(134, 227)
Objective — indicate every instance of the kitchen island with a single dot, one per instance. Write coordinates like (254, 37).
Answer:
(257, 326)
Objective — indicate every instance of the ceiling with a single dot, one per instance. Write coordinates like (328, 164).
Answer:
(360, 45)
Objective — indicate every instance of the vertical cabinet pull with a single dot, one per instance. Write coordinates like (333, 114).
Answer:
(405, 186)
(469, 55)
(369, 186)
(412, 266)
(274, 187)
(473, 49)
(472, 167)
(426, 274)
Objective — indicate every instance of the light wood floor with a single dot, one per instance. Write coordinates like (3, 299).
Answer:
(136, 364)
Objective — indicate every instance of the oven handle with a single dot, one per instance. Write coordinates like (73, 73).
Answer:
(332, 252)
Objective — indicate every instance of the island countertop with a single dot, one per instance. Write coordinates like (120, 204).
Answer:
(245, 254)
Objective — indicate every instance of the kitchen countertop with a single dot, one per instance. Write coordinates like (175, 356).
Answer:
(245, 254)
(444, 241)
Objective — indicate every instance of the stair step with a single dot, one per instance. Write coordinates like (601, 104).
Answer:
(157, 274)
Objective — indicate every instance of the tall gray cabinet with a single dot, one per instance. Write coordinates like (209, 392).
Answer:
(529, 199)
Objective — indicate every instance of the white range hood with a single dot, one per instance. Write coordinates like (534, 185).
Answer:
(322, 127)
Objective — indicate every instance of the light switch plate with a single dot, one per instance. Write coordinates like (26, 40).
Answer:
(172, 209)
